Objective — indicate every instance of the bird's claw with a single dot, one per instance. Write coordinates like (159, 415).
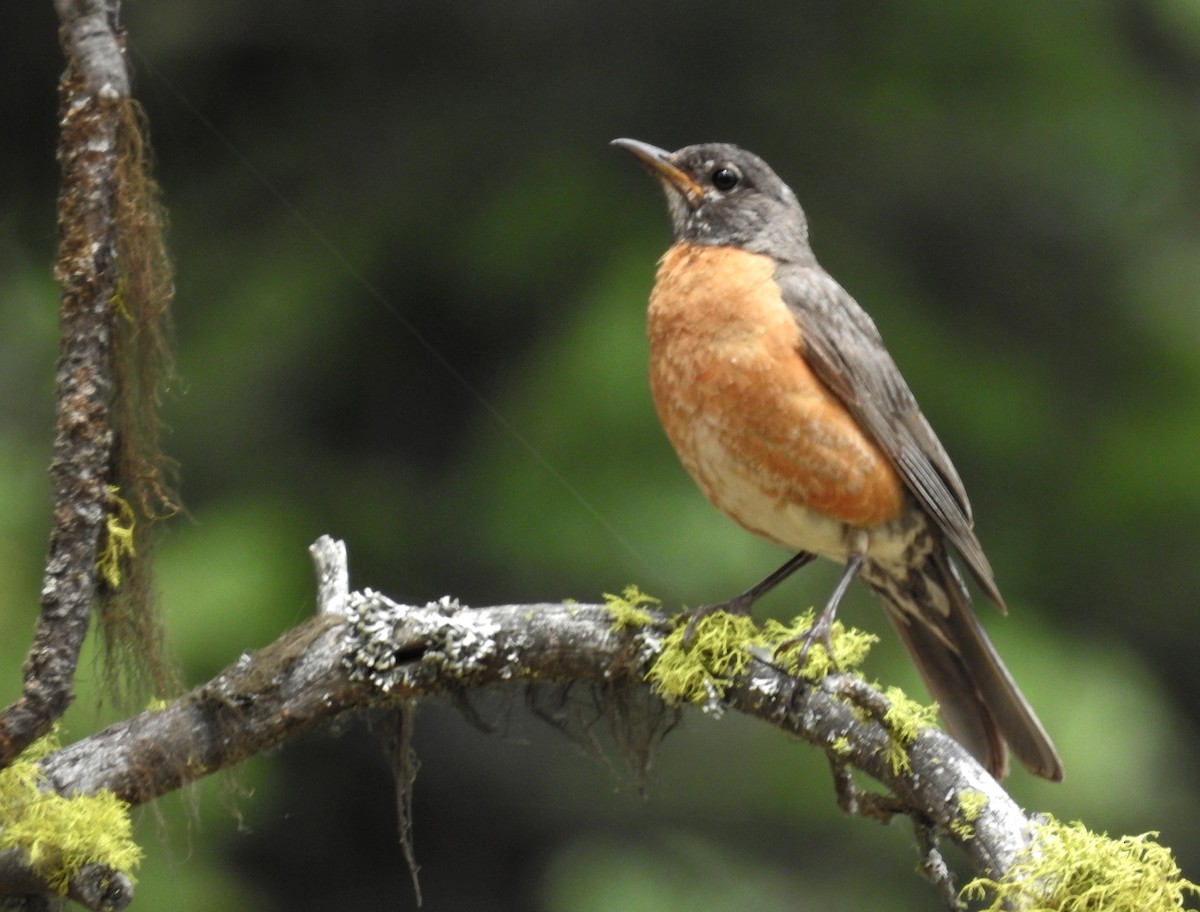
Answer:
(820, 632)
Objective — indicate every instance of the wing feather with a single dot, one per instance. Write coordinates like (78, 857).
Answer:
(845, 350)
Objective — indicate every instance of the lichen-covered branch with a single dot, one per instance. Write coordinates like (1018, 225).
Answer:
(107, 470)
(94, 887)
(90, 36)
(365, 650)
(92, 91)
(323, 668)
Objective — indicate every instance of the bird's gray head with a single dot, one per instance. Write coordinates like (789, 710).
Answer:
(721, 195)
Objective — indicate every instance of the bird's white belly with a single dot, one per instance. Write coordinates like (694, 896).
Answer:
(738, 490)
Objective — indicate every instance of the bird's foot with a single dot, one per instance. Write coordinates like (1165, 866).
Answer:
(820, 632)
(741, 604)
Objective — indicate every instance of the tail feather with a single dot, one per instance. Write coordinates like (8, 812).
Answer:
(980, 702)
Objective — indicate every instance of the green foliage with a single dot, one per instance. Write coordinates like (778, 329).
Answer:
(60, 835)
(1068, 868)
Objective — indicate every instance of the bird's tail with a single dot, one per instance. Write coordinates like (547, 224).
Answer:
(980, 702)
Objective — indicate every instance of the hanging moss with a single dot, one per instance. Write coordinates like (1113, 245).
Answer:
(136, 663)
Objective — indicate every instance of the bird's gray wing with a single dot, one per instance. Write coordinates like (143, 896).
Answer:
(845, 350)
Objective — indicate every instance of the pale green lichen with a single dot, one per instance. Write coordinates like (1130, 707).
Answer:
(629, 608)
(705, 668)
(1067, 868)
(904, 720)
(59, 835)
(722, 645)
(850, 647)
(117, 542)
(971, 803)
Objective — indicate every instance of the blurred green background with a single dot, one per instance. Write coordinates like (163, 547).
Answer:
(411, 283)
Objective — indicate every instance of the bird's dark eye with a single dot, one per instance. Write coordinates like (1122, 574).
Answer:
(726, 177)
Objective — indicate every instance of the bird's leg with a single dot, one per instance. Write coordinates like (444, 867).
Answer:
(823, 626)
(741, 604)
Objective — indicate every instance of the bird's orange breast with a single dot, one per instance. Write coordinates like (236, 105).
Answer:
(765, 439)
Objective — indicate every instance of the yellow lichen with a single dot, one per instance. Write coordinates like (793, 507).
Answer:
(722, 645)
(628, 608)
(850, 647)
(117, 543)
(904, 720)
(59, 835)
(1067, 868)
(118, 303)
(707, 666)
(970, 805)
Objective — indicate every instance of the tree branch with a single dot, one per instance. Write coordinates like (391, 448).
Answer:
(364, 650)
(92, 90)
(94, 887)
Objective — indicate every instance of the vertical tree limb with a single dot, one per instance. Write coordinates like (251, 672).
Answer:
(93, 90)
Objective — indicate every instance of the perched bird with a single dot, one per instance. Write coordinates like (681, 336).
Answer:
(776, 391)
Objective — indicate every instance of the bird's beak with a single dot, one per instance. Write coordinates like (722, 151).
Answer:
(659, 162)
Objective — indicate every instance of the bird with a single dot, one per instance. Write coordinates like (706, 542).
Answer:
(776, 390)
